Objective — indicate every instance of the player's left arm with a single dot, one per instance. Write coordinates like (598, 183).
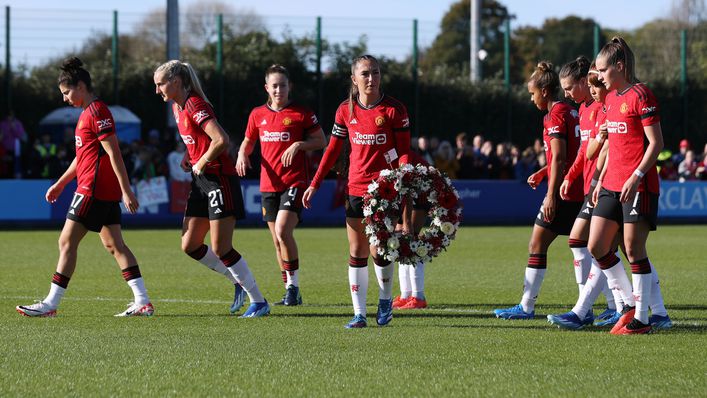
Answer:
(112, 148)
(314, 140)
(219, 143)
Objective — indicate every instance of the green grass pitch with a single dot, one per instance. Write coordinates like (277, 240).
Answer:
(193, 347)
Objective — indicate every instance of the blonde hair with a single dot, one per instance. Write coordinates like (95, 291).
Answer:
(618, 51)
(545, 77)
(353, 90)
(186, 73)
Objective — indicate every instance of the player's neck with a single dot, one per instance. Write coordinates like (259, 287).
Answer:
(551, 103)
(87, 100)
(181, 98)
(278, 106)
(367, 100)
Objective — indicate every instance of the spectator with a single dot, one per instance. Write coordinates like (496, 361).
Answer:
(44, 154)
(527, 165)
(488, 161)
(476, 143)
(680, 156)
(688, 167)
(701, 172)
(423, 148)
(504, 162)
(465, 157)
(446, 159)
(11, 130)
(174, 161)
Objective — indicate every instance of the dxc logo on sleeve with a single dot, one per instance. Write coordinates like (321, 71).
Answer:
(104, 124)
(200, 116)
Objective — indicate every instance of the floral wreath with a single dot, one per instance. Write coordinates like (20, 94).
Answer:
(383, 205)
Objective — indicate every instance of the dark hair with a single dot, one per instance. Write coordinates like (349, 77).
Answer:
(576, 69)
(187, 74)
(276, 68)
(618, 51)
(72, 73)
(353, 90)
(545, 77)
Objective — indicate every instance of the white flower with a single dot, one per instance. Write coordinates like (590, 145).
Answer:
(383, 204)
(373, 202)
(386, 172)
(447, 228)
(370, 230)
(398, 184)
(392, 255)
(446, 241)
(425, 186)
(389, 224)
(422, 169)
(432, 197)
(393, 243)
(413, 245)
(437, 221)
(372, 187)
(380, 251)
(407, 167)
(374, 241)
(367, 211)
(440, 212)
(421, 251)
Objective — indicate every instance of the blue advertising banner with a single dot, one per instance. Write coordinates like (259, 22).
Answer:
(485, 203)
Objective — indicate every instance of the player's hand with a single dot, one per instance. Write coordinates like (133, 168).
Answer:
(242, 164)
(185, 164)
(628, 191)
(564, 189)
(307, 197)
(603, 132)
(549, 208)
(289, 154)
(130, 201)
(53, 193)
(595, 194)
(535, 179)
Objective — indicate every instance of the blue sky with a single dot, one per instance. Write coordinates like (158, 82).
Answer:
(41, 29)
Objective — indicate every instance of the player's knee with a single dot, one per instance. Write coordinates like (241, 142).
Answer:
(110, 247)
(596, 249)
(283, 235)
(64, 245)
(221, 249)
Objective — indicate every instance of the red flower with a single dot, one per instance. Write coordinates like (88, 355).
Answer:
(382, 235)
(379, 216)
(405, 249)
(386, 190)
(447, 199)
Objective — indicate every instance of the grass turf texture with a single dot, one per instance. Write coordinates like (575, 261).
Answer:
(192, 346)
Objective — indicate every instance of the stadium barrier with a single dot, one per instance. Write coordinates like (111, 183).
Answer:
(485, 203)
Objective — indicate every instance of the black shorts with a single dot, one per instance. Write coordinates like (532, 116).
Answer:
(93, 213)
(273, 202)
(354, 206)
(587, 209)
(215, 197)
(644, 207)
(565, 214)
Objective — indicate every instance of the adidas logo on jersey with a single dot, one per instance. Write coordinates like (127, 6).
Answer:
(264, 122)
(353, 121)
(633, 212)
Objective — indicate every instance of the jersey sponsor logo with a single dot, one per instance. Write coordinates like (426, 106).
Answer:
(353, 121)
(380, 120)
(314, 119)
(406, 122)
(200, 116)
(616, 127)
(648, 109)
(275, 136)
(553, 130)
(574, 113)
(188, 140)
(369, 139)
(584, 134)
(104, 124)
(286, 121)
(79, 141)
(624, 108)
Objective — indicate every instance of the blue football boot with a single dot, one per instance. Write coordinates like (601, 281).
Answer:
(358, 322)
(238, 299)
(515, 312)
(256, 310)
(385, 312)
(660, 322)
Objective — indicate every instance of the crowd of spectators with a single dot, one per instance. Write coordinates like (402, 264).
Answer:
(161, 153)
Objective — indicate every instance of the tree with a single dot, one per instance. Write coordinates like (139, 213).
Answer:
(448, 56)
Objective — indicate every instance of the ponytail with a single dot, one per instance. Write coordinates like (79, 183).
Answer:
(187, 74)
(353, 90)
(576, 69)
(72, 73)
(545, 77)
(618, 51)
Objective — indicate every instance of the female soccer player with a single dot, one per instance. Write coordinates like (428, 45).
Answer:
(628, 187)
(102, 181)
(286, 131)
(556, 216)
(377, 126)
(215, 200)
(582, 85)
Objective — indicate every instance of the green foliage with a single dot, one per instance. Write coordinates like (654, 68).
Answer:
(192, 347)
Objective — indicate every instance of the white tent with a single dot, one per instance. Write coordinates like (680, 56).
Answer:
(127, 124)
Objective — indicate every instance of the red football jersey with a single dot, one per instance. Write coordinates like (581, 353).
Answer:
(626, 114)
(277, 131)
(588, 117)
(190, 122)
(94, 173)
(375, 133)
(562, 123)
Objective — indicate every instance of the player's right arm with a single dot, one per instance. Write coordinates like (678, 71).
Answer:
(601, 167)
(536, 178)
(243, 160)
(57, 188)
(574, 171)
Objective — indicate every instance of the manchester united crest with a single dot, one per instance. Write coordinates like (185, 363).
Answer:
(286, 121)
(380, 120)
(624, 108)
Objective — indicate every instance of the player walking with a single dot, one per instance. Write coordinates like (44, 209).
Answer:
(102, 182)
(286, 131)
(215, 200)
(377, 126)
